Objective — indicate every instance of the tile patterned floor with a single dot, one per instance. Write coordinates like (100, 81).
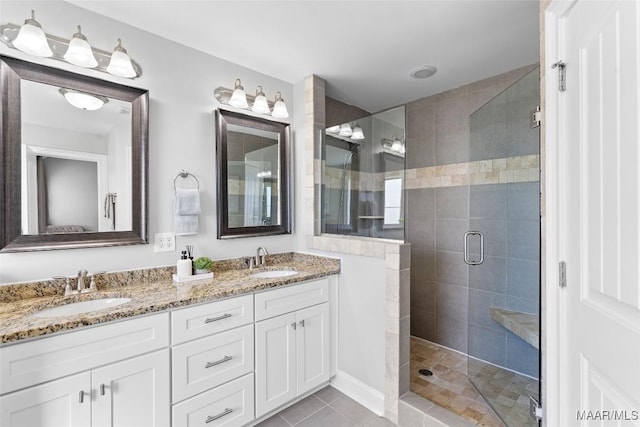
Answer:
(327, 407)
(450, 388)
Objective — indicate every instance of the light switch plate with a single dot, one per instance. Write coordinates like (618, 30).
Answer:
(164, 242)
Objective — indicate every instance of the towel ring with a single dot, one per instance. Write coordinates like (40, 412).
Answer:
(184, 174)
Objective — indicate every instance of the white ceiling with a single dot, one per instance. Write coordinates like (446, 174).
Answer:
(364, 49)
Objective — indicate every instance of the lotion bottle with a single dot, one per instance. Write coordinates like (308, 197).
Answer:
(184, 266)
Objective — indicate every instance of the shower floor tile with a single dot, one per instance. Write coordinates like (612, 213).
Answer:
(450, 388)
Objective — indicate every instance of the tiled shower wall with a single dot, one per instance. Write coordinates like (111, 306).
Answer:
(438, 198)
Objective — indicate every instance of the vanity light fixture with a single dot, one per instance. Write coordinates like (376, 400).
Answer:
(79, 51)
(239, 97)
(83, 100)
(345, 130)
(393, 146)
(357, 132)
(260, 104)
(120, 63)
(280, 108)
(30, 38)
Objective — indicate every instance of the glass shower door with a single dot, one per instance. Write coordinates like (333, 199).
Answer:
(503, 250)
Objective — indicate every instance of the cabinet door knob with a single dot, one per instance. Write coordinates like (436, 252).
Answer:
(302, 323)
(294, 325)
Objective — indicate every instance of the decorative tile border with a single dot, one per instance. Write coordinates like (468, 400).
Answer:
(495, 171)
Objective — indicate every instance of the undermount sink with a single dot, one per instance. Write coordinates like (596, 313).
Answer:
(271, 274)
(81, 307)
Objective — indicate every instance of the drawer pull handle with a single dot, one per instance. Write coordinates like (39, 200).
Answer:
(215, 319)
(81, 396)
(302, 323)
(294, 325)
(217, 362)
(102, 387)
(226, 411)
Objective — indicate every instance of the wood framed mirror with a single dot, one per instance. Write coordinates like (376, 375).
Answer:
(73, 175)
(253, 178)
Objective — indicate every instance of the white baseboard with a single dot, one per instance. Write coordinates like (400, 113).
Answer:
(365, 395)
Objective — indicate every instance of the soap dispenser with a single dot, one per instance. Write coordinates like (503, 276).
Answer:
(184, 266)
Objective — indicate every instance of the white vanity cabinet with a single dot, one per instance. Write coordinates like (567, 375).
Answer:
(292, 343)
(212, 363)
(111, 375)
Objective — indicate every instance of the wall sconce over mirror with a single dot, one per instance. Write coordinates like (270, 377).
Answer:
(30, 38)
(253, 176)
(393, 146)
(347, 132)
(237, 97)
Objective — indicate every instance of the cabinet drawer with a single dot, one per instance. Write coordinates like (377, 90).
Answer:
(292, 298)
(230, 404)
(211, 318)
(26, 364)
(208, 362)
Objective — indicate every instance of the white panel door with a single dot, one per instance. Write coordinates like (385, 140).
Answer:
(132, 393)
(599, 213)
(275, 362)
(61, 403)
(312, 341)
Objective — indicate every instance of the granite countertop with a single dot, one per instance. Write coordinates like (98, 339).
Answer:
(150, 290)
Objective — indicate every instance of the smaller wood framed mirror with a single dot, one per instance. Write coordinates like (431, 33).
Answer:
(253, 178)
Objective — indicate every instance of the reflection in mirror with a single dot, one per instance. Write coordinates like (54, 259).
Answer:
(76, 169)
(73, 159)
(253, 177)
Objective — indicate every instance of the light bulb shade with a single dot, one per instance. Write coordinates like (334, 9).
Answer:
(239, 97)
(260, 104)
(120, 64)
(31, 39)
(357, 132)
(397, 146)
(334, 129)
(79, 52)
(345, 130)
(83, 101)
(280, 108)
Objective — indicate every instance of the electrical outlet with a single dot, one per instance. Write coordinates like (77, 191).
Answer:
(164, 242)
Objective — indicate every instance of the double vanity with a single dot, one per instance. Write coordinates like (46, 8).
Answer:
(223, 351)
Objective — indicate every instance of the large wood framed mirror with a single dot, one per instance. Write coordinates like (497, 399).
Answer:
(74, 160)
(253, 176)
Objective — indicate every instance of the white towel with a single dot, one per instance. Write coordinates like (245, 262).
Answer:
(185, 224)
(187, 202)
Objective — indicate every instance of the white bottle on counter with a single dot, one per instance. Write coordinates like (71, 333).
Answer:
(184, 266)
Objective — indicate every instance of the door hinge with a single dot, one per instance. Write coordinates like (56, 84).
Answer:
(562, 274)
(535, 408)
(536, 117)
(562, 86)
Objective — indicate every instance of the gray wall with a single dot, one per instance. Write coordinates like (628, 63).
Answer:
(447, 298)
(72, 192)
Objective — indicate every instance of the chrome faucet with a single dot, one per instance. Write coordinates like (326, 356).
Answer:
(261, 259)
(82, 274)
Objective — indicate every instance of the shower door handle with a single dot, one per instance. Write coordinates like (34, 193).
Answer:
(467, 259)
